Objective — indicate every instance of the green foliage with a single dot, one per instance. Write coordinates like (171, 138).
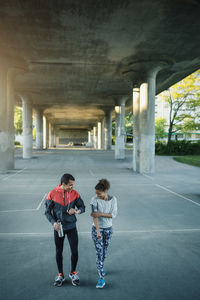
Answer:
(184, 103)
(177, 148)
(128, 127)
(18, 120)
(129, 123)
(160, 124)
(18, 123)
(190, 124)
(34, 133)
(113, 128)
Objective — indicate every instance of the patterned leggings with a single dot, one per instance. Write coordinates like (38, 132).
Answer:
(101, 246)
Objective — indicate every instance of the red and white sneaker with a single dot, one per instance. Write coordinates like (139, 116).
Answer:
(59, 279)
(74, 278)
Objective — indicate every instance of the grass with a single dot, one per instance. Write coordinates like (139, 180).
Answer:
(193, 160)
(129, 146)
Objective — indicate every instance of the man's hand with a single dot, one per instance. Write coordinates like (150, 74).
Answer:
(56, 226)
(95, 214)
(72, 211)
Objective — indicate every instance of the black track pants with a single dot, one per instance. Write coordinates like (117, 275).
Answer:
(72, 236)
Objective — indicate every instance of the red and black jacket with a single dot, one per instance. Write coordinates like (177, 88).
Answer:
(59, 202)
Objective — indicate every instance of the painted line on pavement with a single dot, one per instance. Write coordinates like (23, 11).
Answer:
(24, 210)
(14, 193)
(159, 230)
(91, 173)
(77, 184)
(179, 195)
(41, 202)
(151, 231)
(149, 177)
(5, 178)
(115, 232)
(17, 210)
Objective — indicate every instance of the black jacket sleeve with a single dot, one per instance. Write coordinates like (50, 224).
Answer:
(49, 204)
(80, 204)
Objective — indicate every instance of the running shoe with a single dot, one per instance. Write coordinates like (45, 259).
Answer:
(74, 278)
(100, 283)
(59, 279)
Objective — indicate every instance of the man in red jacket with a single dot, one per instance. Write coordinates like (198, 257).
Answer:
(62, 205)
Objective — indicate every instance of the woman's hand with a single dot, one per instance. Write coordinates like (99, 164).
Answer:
(98, 234)
(95, 214)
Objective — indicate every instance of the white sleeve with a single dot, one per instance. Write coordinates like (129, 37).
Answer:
(114, 207)
(93, 203)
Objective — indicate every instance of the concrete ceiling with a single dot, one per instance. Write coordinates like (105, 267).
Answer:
(79, 51)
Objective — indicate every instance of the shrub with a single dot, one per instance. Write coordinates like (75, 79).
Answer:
(177, 148)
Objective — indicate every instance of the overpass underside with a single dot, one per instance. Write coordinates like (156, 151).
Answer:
(77, 65)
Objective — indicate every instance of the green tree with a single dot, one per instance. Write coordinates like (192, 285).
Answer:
(18, 120)
(160, 124)
(184, 103)
(34, 133)
(129, 123)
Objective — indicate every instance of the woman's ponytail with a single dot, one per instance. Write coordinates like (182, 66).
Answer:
(103, 185)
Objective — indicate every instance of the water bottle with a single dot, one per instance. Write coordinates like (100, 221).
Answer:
(60, 232)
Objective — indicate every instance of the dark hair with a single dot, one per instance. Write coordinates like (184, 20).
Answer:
(66, 178)
(102, 185)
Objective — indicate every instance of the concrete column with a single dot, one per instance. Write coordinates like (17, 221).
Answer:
(57, 136)
(92, 138)
(147, 121)
(103, 134)
(50, 134)
(108, 129)
(10, 118)
(44, 132)
(4, 134)
(99, 135)
(143, 74)
(47, 133)
(27, 128)
(95, 137)
(54, 136)
(39, 129)
(89, 139)
(9, 70)
(51, 131)
(120, 131)
(136, 130)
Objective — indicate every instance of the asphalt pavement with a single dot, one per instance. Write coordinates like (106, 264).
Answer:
(155, 249)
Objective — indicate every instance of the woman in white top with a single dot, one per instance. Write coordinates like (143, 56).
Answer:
(104, 209)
